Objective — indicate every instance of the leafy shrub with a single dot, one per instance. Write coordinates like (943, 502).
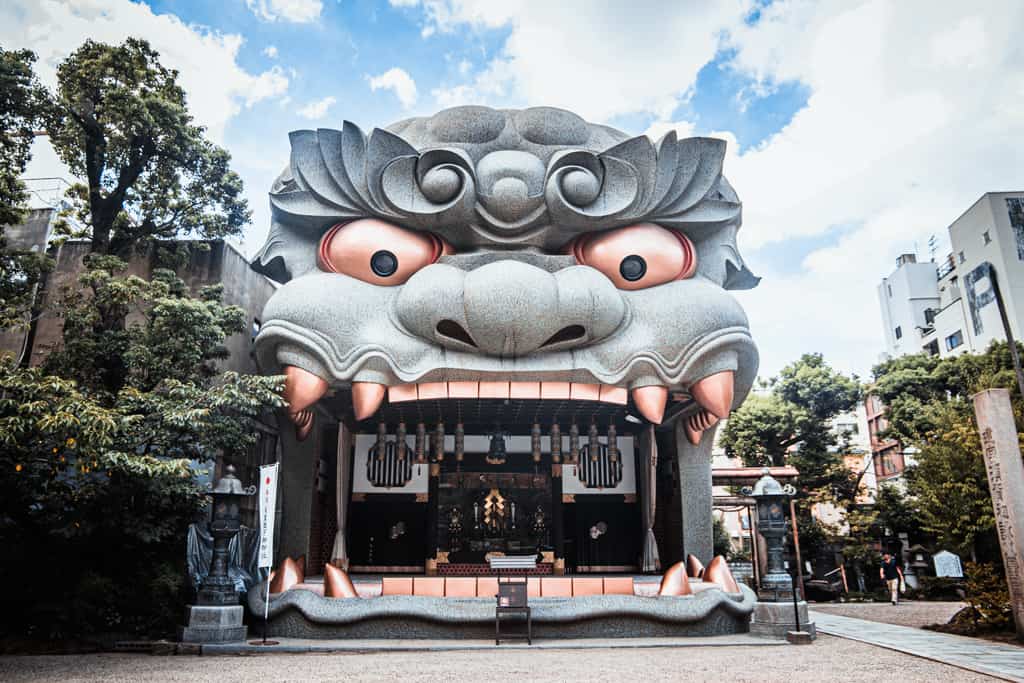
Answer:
(940, 588)
(988, 597)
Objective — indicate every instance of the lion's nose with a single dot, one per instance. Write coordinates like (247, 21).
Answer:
(509, 308)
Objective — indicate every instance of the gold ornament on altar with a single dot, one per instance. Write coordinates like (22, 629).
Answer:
(494, 510)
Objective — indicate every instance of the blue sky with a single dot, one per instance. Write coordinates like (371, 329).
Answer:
(855, 129)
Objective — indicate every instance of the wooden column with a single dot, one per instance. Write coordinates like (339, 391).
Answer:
(432, 516)
(557, 523)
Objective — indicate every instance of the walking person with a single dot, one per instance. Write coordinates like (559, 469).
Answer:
(891, 573)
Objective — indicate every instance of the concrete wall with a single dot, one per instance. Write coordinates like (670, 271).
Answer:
(221, 263)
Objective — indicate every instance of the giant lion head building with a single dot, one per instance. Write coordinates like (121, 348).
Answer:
(504, 332)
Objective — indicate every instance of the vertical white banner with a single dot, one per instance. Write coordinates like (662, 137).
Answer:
(268, 502)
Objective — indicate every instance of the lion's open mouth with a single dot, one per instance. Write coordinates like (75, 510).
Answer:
(713, 396)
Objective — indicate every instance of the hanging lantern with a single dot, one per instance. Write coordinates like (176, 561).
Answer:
(421, 442)
(556, 443)
(535, 441)
(382, 436)
(400, 445)
(496, 452)
(574, 443)
(439, 442)
(460, 442)
(594, 441)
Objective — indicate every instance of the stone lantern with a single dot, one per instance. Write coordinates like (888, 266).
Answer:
(771, 499)
(227, 494)
(779, 612)
(217, 618)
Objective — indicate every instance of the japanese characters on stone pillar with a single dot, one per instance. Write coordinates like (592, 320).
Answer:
(1006, 482)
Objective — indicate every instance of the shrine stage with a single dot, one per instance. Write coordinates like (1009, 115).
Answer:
(419, 607)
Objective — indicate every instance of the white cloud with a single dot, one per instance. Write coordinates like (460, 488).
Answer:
(295, 11)
(597, 59)
(317, 109)
(216, 85)
(397, 80)
(915, 111)
(270, 51)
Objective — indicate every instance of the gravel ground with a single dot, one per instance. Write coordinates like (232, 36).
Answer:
(827, 659)
(916, 614)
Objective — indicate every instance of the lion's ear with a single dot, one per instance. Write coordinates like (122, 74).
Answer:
(289, 252)
(324, 183)
(739, 278)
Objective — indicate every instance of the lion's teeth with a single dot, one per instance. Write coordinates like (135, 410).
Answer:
(697, 423)
(715, 393)
(302, 388)
(366, 398)
(650, 402)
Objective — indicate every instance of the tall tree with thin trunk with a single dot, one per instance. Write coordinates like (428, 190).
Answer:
(120, 120)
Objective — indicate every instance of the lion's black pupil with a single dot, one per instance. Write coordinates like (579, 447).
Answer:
(383, 263)
(633, 267)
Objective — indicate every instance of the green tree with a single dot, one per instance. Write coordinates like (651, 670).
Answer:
(21, 271)
(897, 511)
(950, 485)
(120, 121)
(859, 547)
(721, 542)
(792, 425)
(929, 410)
(21, 102)
(99, 448)
(97, 469)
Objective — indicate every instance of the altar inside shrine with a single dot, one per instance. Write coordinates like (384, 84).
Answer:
(448, 516)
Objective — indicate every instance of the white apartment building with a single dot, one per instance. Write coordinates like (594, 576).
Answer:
(907, 298)
(950, 308)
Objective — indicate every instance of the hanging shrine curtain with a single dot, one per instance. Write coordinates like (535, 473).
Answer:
(648, 488)
(339, 555)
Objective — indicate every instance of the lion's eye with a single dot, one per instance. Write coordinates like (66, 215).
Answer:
(377, 252)
(640, 256)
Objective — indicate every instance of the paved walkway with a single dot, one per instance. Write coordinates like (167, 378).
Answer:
(828, 659)
(916, 613)
(300, 645)
(973, 654)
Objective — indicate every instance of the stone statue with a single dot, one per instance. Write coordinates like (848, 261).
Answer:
(481, 245)
(539, 527)
(455, 529)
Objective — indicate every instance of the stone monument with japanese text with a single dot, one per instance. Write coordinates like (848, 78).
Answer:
(999, 441)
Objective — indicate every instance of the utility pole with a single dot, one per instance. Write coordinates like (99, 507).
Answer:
(1006, 329)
